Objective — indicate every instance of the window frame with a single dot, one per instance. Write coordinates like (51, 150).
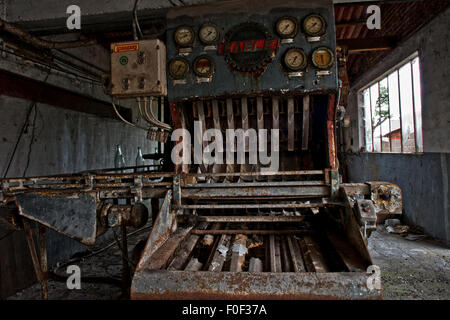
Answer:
(419, 149)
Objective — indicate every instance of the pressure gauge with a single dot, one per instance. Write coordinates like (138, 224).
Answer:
(184, 36)
(295, 59)
(286, 27)
(209, 33)
(314, 25)
(322, 58)
(203, 66)
(178, 68)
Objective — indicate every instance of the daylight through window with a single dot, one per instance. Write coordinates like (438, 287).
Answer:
(393, 111)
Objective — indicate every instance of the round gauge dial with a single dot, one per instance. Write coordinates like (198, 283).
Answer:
(184, 36)
(178, 68)
(203, 66)
(286, 27)
(209, 33)
(314, 25)
(295, 59)
(322, 58)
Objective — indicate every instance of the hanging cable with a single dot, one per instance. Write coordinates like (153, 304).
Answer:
(124, 120)
(141, 113)
(153, 119)
(136, 26)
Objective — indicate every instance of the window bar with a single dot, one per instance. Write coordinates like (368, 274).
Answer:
(414, 107)
(400, 111)
(389, 111)
(379, 114)
(371, 120)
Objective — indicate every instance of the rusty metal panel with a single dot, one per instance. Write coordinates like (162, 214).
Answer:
(74, 216)
(164, 225)
(250, 285)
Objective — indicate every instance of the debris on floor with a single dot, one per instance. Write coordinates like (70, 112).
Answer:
(409, 270)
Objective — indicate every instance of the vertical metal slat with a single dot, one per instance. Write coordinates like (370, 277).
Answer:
(305, 129)
(291, 131)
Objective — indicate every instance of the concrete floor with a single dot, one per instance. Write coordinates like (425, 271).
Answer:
(409, 270)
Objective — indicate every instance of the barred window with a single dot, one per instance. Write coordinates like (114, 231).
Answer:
(393, 111)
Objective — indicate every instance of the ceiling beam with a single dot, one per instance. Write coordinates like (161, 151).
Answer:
(14, 85)
(368, 44)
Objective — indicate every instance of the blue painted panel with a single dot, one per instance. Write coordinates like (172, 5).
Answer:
(273, 80)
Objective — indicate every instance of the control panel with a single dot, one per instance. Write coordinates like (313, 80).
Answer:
(229, 52)
(138, 68)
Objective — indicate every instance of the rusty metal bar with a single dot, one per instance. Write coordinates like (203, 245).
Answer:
(305, 129)
(257, 184)
(244, 110)
(254, 232)
(332, 156)
(285, 255)
(239, 251)
(160, 258)
(296, 255)
(264, 285)
(275, 113)
(291, 125)
(43, 260)
(260, 121)
(220, 253)
(261, 205)
(280, 173)
(316, 256)
(251, 192)
(34, 257)
(275, 256)
(249, 219)
(230, 125)
(182, 255)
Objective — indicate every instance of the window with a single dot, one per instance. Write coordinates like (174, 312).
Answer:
(393, 111)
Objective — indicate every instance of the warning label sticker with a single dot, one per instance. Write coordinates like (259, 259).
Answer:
(126, 47)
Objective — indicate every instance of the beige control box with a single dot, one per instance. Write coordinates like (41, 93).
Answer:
(138, 68)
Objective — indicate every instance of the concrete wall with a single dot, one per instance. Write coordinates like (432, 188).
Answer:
(64, 142)
(424, 178)
(424, 181)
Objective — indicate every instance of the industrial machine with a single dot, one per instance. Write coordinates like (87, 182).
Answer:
(287, 228)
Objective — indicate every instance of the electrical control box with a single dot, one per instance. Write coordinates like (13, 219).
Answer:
(138, 68)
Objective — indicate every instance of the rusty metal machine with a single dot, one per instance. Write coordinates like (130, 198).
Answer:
(228, 230)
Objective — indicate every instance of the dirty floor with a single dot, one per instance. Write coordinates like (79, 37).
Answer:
(409, 270)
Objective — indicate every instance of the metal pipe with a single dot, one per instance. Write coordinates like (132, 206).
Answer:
(43, 44)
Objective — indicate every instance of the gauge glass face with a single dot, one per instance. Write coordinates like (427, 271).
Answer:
(178, 68)
(209, 34)
(295, 59)
(184, 36)
(286, 27)
(323, 58)
(314, 25)
(203, 67)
